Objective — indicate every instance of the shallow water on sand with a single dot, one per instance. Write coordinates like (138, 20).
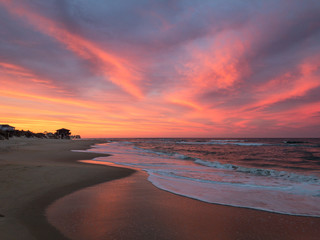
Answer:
(275, 175)
(132, 208)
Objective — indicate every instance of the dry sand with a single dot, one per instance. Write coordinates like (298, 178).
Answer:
(34, 173)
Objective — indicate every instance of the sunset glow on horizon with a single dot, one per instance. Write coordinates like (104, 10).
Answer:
(161, 68)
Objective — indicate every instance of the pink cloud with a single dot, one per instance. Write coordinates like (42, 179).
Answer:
(193, 71)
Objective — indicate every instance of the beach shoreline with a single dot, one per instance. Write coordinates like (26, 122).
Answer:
(41, 181)
(36, 172)
(133, 208)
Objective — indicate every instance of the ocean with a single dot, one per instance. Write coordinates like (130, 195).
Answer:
(276, 175)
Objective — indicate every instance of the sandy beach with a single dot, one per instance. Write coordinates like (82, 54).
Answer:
(35, 174)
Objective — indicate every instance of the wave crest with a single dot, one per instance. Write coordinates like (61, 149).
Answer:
(262, 172)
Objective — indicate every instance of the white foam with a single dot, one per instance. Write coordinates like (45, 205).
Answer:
(262, 172)
(278, 201)
(213, 182)
(224, 142)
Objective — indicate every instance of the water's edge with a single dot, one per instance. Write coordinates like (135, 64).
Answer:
(194, 198)
(267, 190)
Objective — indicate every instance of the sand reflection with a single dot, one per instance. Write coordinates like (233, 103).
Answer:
(92, 213)
(132, 208)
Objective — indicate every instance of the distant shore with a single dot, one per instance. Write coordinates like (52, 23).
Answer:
(34, 173)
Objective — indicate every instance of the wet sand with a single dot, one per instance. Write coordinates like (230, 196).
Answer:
(34, 173)
(132, 208)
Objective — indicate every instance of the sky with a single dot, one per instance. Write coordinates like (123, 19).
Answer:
(151, 68)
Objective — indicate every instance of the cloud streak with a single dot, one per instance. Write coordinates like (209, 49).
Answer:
(162, 69)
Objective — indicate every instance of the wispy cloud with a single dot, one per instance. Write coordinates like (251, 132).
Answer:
(161, 68)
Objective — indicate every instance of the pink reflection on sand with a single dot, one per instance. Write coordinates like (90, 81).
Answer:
(132, 208)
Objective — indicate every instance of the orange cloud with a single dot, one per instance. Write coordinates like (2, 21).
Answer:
(197, 81)
(218, 66)
(115, 69)
(293, 84)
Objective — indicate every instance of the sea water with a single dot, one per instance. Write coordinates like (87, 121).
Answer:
(276, 175)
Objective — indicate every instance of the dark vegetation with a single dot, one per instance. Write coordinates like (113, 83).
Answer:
(59, 134)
